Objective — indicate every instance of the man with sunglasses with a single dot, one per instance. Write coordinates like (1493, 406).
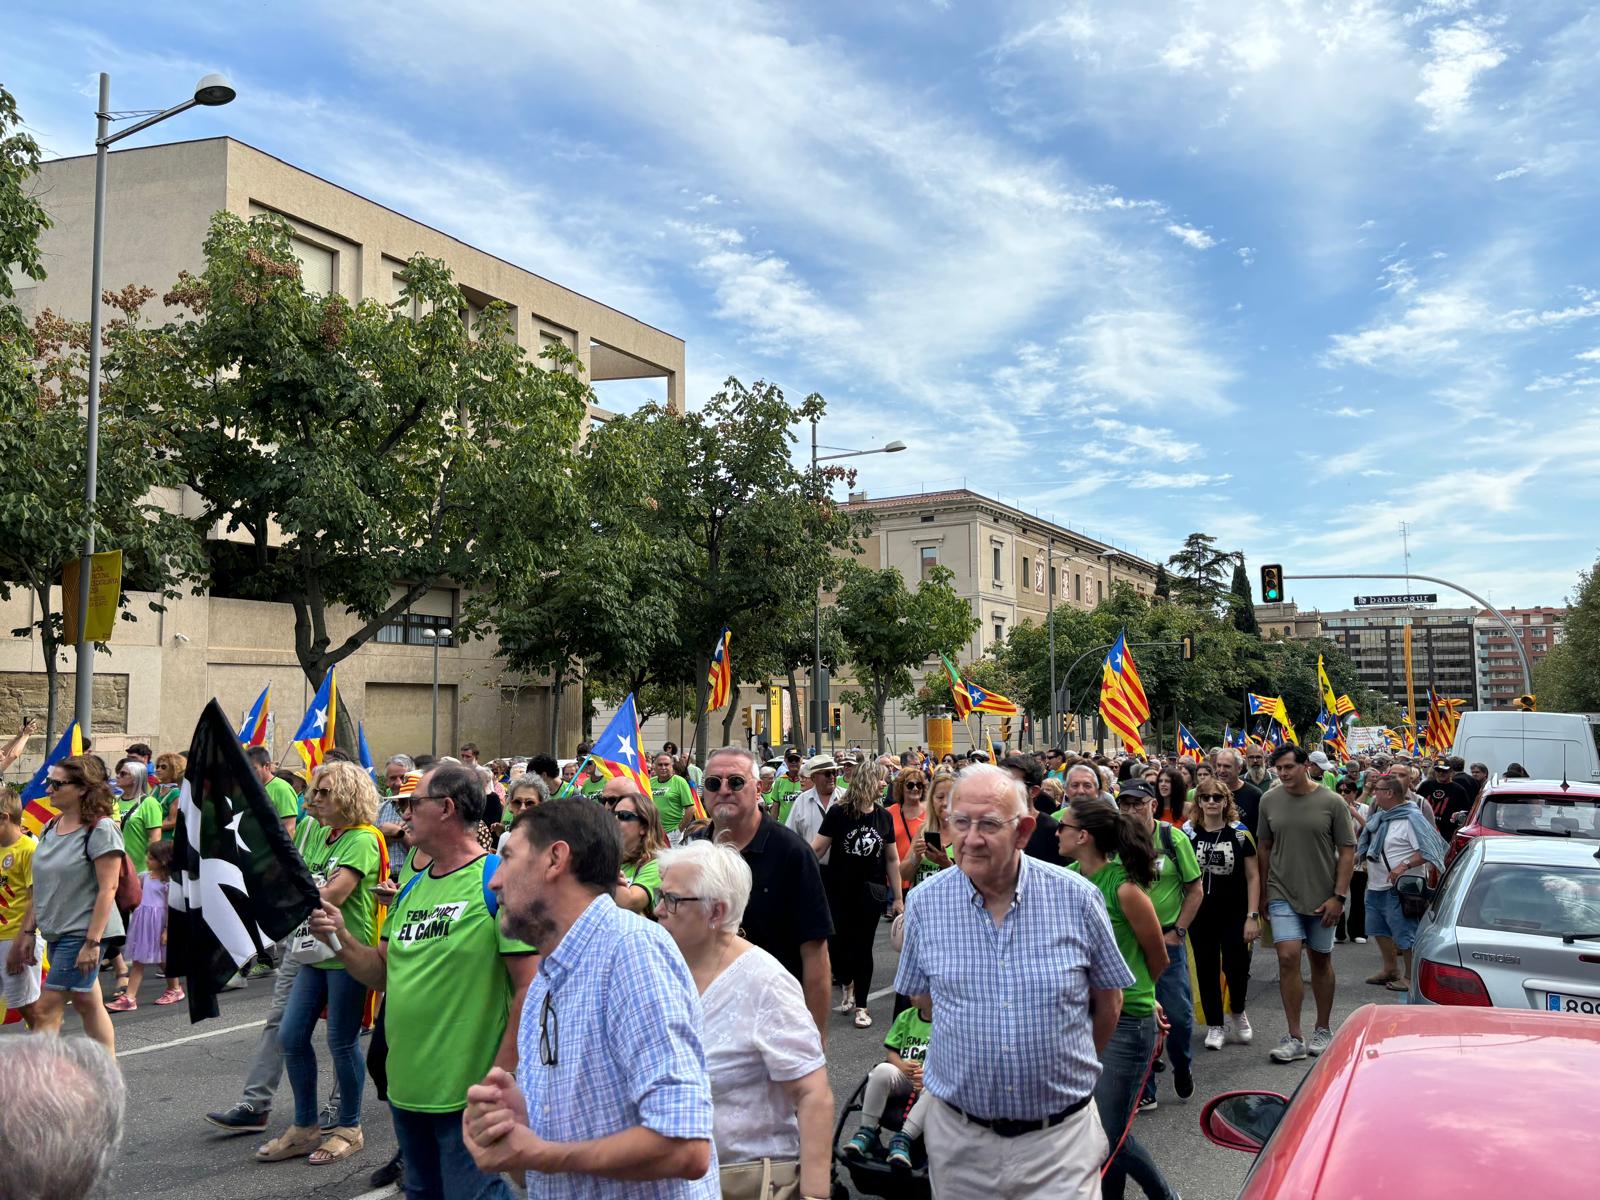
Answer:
(788, 914)
(671, 794)
(811, 806)
(611, 1096)
(781, 796)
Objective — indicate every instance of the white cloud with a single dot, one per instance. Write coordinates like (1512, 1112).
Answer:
(1397, 276)
(1247, 255)
(1459, 54)
(1346, 411)
(1193, 480)
(1151, 358)
(1162, 443)
(1195, 239)
(1588, 355)
(1430, 327)
(1512, 173)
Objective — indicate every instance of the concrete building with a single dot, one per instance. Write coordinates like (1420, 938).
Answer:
(1286, 620)
(1499, 668)
(161, 670)
(1442, 650)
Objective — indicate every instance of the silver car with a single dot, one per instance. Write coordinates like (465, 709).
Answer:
(1516, 924)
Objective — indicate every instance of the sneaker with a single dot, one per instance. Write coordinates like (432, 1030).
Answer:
(1183, 1082)
(1149, 1105)
(900, 1152)
(388, 1173)
(329, 1116)
(260, 969)
(1215, 1036)
(1359, 941)
(235, 982)
(1320, 1040)
(122, 1003)
(863, 1018)
(1240, 1030)
(243, 1117)
(863, 1144)
(1290, 1049)
(171, 996)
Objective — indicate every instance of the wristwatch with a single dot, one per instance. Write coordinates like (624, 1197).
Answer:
(1343, 900)
(1255, 916)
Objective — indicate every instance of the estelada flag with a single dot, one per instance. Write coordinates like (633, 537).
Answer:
(254, 730)
(314, 738)
(238, 885)
(720, 677)
(37, 808)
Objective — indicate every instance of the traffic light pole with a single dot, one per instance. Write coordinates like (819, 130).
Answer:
(1516, 640)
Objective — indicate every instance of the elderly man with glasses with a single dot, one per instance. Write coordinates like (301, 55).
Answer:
(1024, 975)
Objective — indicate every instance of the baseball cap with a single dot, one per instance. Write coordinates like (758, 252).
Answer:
(1321, 760)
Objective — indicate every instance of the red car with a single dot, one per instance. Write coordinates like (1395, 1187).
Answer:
(1427, 1101)
(1533, 807)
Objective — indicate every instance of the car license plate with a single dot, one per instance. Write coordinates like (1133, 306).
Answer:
(1557, 1002)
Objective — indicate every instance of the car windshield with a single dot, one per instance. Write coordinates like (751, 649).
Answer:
(1570, 816)
(1526, 898)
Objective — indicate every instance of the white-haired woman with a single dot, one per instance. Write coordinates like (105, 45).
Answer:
(773, 1108)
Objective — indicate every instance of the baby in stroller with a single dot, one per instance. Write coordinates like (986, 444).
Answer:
(898, 1078)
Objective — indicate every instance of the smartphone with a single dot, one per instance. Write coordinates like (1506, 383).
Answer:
(931, 840)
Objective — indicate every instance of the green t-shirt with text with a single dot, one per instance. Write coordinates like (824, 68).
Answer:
(782, 794)
(645, 875)
(356, 849)
(284, 802)
(1174, 869)
(146, 815)
(672, 798)
(1140, 999)
(449, 994)
(908, 1036)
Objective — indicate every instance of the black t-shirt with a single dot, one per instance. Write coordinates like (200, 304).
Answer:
(859, 854)
(1223, 882)
(1445, 799)
(1044, 843)
(788, 907)
(1248, 800)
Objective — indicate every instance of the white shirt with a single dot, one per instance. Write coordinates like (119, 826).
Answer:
(758, 1036)
(1399, 844)
(805, 817)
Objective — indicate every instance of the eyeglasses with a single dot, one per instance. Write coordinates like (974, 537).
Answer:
(988, 826)
(669, 902)
(1067, 825)
(628, 816)
(322, 791)
(713, 783)
(526, 802)
(549, 1033)
(912, 787)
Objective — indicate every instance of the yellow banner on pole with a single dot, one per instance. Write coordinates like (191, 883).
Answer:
(775, 714)
(1411, 687)
(105, 585)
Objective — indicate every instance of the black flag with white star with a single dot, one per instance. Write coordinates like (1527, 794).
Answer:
(238, 884)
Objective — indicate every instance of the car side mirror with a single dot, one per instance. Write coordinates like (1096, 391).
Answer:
(1242, 1120)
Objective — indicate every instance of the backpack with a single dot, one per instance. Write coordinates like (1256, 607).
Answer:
(491, 864)
(130, 888)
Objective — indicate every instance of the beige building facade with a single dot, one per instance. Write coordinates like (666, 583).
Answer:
(161, 669)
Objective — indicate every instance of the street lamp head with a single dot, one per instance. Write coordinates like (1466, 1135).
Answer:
(213, 90)
(1112, 553)
(894, 447)
(445, 633)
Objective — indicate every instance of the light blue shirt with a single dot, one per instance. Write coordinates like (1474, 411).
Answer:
(1012, 1035)
(625, 1028)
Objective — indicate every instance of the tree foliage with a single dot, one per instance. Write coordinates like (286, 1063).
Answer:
(1241, 601)
(1568, 679)
(1198, 570)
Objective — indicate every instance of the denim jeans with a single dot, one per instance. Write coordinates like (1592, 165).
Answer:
(1122, 1067)
(437, 1164)
(344, 997)
(1173, 994)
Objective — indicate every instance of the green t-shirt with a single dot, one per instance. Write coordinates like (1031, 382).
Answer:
(309, 837)
(136, 829)
(1140, 999)
(672, 798)
(782, 794)
(1166, 890)
(408, 867)
(647, 876)
(449, 995)
(284, 802)
(164, 797)
(1305, 833)
(356, 849)
(908, 1036)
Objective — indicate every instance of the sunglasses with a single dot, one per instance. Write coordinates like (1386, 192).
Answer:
(628, 816)
(713, 783)
(53, 784)
(913, 787)
(324, 792)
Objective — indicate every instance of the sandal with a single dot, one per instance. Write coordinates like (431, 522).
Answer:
(1398, 985)
(342, 1141)
(297, 1141)
(863, 1018)
(1381, 979)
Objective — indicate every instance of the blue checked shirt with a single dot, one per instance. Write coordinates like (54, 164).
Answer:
(1012, 1036)
(626, 1034)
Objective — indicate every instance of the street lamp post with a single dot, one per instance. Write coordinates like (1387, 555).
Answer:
(816, 604)
(434, 637)
(211, 91)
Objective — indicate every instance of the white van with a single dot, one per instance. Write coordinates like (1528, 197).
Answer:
(1549, 745)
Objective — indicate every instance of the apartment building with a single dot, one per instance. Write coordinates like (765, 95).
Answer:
(1443, 651)
(1499, 667)
(161, 669)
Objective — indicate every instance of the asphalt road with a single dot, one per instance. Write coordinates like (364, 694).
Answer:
(177, 1072)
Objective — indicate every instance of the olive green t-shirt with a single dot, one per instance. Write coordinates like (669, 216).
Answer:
(449, 994)
(1306, 834)
(1140, 999)
(356, 849)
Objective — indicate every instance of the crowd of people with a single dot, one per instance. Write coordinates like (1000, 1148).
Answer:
(604, 992)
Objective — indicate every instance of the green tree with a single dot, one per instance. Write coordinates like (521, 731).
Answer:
(1199, 569)
(358, 455)
(1163, 584)
(1242, 602)
(1568, 679)
(888, 631)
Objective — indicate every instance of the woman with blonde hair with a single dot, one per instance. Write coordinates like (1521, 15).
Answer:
(346, 865)
(643, 837)
(1227, 924)
(862, 880)
(908, 810)
(169, 784)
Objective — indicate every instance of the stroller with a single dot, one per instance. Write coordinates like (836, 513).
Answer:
(873, 1176)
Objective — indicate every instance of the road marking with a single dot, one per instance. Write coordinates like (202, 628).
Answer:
(392, 1190)
(880, 993)
(198, 1037)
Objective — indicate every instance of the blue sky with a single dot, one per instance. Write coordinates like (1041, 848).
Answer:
(1290, 273)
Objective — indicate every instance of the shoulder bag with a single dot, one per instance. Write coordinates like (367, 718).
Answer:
(763, 1179)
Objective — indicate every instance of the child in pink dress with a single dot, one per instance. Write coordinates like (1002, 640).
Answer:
(147, 931)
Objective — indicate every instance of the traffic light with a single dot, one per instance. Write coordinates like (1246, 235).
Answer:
(837, 720)
(1188, 647)
(1005, 729)
(1527, 702)
(1271, 583)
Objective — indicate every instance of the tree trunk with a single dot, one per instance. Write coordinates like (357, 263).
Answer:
(880, 703)
(52, 682)
(702, 734)
(799, 729)
(731, 715)
(557, 690)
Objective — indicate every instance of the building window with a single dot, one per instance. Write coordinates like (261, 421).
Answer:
(319, 267)
(1027, 571)
(1077, 588)
(995, 553)
(408, 629)
(930, 559)
(1099, 591)
(1053, 592)
(999, 631)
